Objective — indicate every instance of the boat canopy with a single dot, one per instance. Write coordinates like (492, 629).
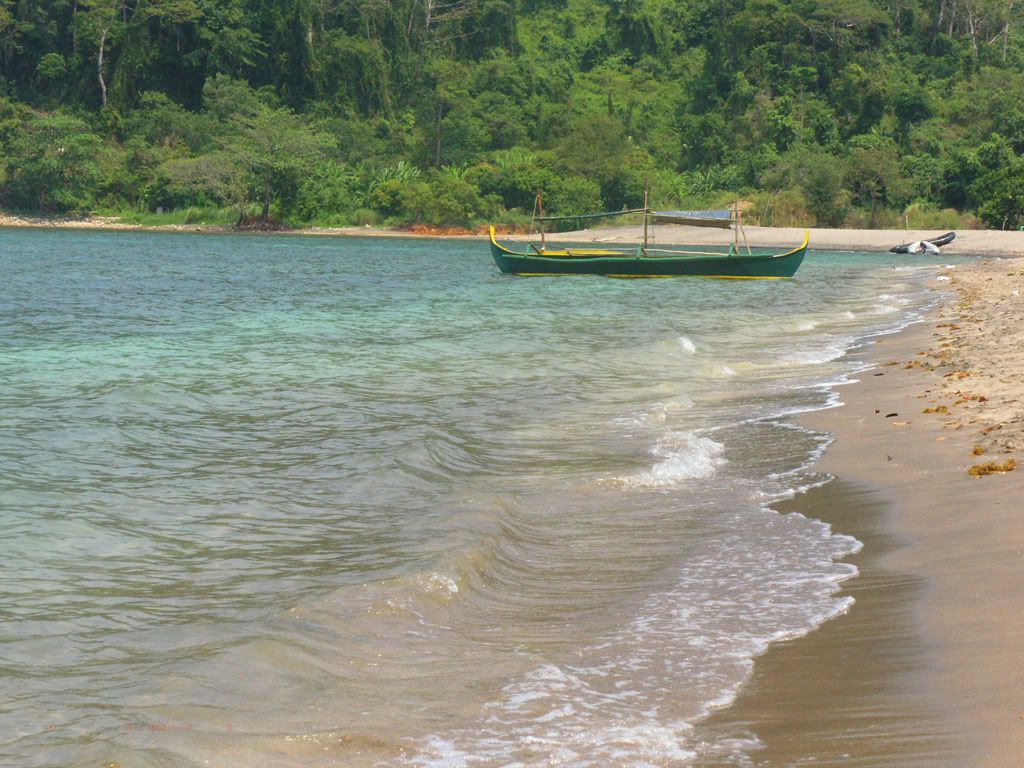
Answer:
(719, 219)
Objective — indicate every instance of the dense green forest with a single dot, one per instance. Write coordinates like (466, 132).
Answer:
(455, 112)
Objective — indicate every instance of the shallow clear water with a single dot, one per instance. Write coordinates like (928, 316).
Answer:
(309, 501)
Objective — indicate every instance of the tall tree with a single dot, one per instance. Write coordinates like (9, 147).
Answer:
(111, 21)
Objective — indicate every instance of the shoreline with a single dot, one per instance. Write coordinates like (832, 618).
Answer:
(855, 692)
(969, 242)
(926, 666)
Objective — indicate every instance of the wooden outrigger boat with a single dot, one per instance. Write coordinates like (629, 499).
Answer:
(644, 260)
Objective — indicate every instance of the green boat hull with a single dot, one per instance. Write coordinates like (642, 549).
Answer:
(571, 262)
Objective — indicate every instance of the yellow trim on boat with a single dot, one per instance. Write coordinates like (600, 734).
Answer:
(581, 252)
(712, 277)
(807, 239)
(645, 277)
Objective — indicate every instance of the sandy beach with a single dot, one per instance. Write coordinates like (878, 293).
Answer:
(27, 221)
(955, 383)
(979, 242)
(925, 669)
(967, 242)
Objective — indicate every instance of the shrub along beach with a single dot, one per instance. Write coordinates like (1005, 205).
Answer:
(299, 113)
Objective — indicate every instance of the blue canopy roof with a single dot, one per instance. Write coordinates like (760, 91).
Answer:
(720, 219)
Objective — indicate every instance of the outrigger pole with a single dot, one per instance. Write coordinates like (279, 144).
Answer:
(605, 215)
(739, 231)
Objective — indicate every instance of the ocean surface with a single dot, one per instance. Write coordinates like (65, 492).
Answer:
(299, 501)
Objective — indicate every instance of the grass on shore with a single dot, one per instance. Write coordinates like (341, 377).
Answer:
(916, 216)
(209, 216)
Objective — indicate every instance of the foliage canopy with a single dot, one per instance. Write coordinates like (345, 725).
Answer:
(447, 113)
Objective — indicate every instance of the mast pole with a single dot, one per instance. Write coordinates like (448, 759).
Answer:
(646, 212)
(533, 218)
(540, 206)
(736, 229)
(744, 233)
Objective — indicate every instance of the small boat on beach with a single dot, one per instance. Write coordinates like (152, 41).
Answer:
(645, 260)
(925, 246)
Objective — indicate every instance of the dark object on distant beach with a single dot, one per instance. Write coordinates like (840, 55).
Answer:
(920, 245)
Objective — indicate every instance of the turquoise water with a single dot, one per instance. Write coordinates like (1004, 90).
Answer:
(311, 501)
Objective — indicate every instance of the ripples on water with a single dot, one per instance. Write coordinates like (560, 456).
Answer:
(302, 501)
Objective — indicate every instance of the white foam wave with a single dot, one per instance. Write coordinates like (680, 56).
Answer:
(890, 303)
(684, 456)
(815, 356)
(777, 580)
(902, 300)
(662, 412)
(437, 582)
(658, 414)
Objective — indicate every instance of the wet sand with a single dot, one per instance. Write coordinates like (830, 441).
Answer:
(859, 691)
(927, 668)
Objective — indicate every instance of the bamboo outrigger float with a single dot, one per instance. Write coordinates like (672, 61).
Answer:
(644, 260)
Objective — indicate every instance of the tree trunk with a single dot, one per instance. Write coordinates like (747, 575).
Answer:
(437, 145)
(428, 8)
(99, 67)
(972, 30)
(1006, 28)
(265, 216)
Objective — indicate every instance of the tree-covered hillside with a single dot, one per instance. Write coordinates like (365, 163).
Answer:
(452, 112)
